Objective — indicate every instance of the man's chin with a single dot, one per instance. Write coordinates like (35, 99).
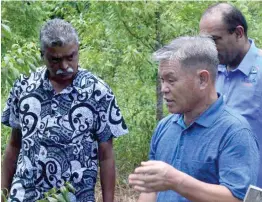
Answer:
(64, 78)
(172, 110)
(222, 61)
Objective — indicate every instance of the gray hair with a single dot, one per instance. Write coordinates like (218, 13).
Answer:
(57, 32)
(190, 51)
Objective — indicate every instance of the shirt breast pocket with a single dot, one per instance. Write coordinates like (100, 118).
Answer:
(248, 100)
(203, 171)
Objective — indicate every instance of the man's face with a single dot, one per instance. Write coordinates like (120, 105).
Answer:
(226, 43)
(179, 86)
(62, 62)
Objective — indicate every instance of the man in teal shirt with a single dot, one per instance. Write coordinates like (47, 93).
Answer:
(239, 78)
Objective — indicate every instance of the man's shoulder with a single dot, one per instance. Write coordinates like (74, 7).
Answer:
(258, 55)
(166, 121)
(233, 119)
(85, 79)
(27, 79)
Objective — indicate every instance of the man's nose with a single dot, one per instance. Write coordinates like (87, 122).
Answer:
(164, 88)
(64, 65)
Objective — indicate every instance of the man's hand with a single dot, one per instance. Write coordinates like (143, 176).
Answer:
(154, 176)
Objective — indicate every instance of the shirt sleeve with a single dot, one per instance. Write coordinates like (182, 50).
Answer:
(110, 121)
(10, 115)
(239, 163)
(152, 150)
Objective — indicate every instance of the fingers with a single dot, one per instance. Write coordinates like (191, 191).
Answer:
(143, 186)
(143, 189)
(138, 183)
(148, 167)
(135, 180)
(148, 163)
(141, 177)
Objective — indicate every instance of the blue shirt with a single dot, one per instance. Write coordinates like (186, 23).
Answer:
(60, 133)
(242, 91)
(217, 148)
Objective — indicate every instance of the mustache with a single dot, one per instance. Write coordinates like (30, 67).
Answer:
(69, 70)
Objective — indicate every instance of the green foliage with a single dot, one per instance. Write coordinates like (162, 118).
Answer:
(17, 60)
(24, 19)
(58, 195)
(117, 40)
(4, 195)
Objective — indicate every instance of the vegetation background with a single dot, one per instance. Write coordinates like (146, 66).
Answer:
(117, 40)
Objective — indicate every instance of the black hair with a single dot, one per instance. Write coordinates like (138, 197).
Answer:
(232, 17)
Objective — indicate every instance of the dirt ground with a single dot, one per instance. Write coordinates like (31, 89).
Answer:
(123, 193)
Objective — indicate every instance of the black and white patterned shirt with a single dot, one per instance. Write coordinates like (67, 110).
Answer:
(60, 133)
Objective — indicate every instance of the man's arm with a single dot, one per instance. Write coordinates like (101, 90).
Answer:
(198, 191)
(147, 197)
(155, 176)
(107, 170)
(10, 159)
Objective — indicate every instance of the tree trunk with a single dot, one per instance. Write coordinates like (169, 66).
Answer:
(159, 94)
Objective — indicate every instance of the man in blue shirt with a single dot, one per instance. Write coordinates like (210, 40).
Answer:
(239, 77)
(203, 151)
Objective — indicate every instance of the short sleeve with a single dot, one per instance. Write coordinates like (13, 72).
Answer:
(10, 115)
(110, 121)
(239, 163)
(152, 151)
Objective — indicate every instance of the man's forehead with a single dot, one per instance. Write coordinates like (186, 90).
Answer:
(171, 65)
(212, 26)
(62, 50)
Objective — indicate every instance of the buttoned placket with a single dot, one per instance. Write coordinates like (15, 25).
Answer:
(180, 149)
(227, 84)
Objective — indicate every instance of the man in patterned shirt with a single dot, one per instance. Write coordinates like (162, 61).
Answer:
(63, 119)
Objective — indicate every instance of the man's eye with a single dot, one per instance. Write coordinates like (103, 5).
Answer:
(55, 60)
(216, 38)
(70, 58)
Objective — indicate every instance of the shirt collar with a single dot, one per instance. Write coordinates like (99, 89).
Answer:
(212, 113)
(48, 86)
(244, 66)
(208, 117)
(180, 121)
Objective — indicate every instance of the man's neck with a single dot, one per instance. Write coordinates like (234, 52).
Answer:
(203, 105)
(242, 53)
(58, 86)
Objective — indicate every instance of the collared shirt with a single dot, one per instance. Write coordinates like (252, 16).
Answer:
(217, 148)
(60, 133)
(242, 91)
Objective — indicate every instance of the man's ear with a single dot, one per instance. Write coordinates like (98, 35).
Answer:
(204, 78)
(239, 31)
